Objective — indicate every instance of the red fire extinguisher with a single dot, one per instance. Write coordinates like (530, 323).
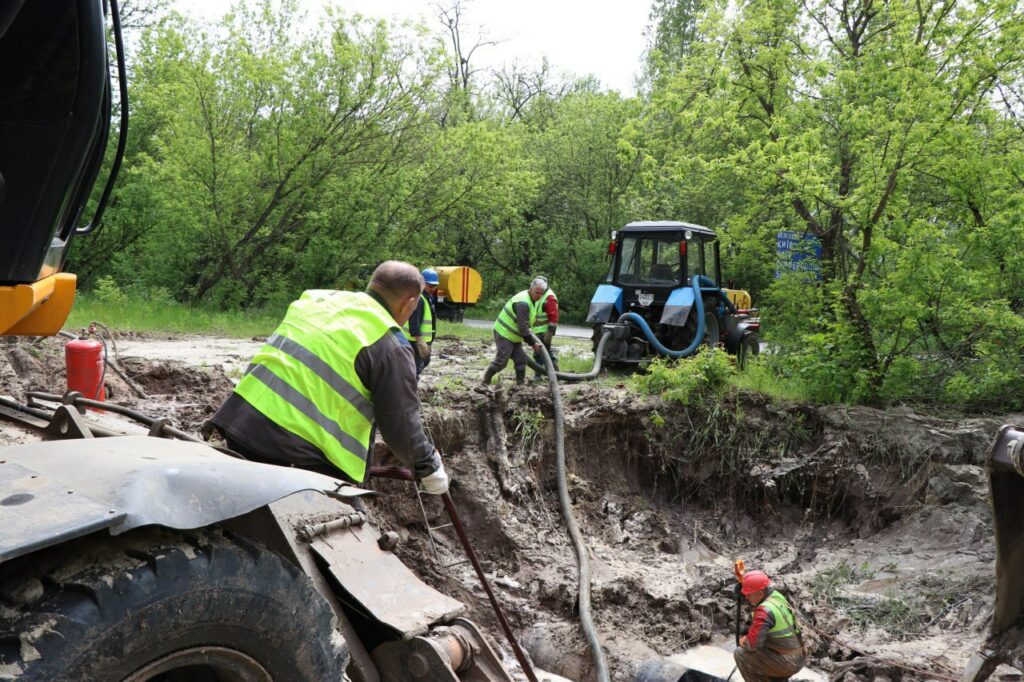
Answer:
(85, 366)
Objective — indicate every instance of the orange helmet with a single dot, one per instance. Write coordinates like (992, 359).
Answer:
(754, 581)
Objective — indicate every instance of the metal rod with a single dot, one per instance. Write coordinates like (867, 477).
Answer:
(96, 404)
(401, 474)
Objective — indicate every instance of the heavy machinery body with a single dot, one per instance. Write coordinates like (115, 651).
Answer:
(1005, 642)
(661, 296)
(137, 554)
(459, 288)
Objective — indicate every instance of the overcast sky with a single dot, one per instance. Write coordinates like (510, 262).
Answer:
(577, 36)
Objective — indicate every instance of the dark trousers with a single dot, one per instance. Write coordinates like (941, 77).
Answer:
(507, 349)
(325, 467)
(763, 665)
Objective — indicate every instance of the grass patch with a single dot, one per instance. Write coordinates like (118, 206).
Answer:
(463, 331)
(903, 615)
(171, 317)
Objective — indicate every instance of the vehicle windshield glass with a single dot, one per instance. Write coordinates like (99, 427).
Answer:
(650, 259)
(695, 258)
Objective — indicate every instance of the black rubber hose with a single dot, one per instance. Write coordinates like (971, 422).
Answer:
(582, 561)
(568, 376)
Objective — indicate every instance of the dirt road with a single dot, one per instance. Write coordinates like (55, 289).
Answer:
(563, 329)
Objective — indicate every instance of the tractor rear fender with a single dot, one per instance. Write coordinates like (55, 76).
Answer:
(677, 307)
(735, 336)
(606, 305)
(54, 491)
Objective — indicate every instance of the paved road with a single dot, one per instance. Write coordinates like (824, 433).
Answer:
(563, 329)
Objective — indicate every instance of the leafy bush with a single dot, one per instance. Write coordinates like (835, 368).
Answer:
(107, 291)
(688, 380)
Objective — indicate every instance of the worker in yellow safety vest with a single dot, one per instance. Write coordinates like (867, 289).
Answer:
(545, 324)
(336, 368)
(420, 327)
(773, 646)
(513, 326)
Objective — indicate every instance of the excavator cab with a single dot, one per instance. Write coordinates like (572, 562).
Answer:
(55, 119)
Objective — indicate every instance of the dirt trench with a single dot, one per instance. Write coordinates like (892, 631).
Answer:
(875, 522)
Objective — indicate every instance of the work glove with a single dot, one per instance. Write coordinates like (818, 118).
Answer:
(423, 349)
(436, 483)
(548, 336)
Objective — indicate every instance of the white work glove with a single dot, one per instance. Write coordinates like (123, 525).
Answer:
(436, 483)
(423, 349)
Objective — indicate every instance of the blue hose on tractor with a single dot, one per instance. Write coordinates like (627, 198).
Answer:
(697, 338)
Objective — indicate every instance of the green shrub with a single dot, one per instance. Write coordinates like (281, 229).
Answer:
(107, 291)
(686, 381)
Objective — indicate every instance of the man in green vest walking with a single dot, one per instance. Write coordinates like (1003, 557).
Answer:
(545, 324)
(513, 326)
(773, 647)
(336, 368)
(420, 327)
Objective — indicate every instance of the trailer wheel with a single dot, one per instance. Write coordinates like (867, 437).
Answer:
(157, 605)
(750, 346)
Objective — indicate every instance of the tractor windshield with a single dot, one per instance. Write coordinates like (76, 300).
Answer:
(650, 259)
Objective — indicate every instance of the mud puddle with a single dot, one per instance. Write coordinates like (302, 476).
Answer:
(876, 523)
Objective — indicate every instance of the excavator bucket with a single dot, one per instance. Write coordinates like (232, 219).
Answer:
(1005, 643)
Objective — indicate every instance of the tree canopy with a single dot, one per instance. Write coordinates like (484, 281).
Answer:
(264, 160)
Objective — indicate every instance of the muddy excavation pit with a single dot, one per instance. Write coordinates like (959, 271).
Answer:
(875, 522)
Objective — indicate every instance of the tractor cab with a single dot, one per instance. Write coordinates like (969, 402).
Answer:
(663, 285)
(653, 258)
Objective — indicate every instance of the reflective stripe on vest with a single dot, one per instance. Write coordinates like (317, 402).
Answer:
(785, 622)
(540, 324)
(506, 324)
(426, 325)
(304, 378)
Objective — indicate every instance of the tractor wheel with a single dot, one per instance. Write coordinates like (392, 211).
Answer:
(750, 346)
(712, 333)
(157, 605)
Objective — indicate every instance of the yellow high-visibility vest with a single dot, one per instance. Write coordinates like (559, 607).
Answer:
(304, 377)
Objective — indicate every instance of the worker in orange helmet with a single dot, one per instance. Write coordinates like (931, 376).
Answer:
(773, 648)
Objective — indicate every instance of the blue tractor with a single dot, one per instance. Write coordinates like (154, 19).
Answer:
(662, 297)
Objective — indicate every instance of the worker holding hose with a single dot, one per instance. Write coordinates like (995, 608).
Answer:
(337, 367)
(513, 326)
(545, 324)
(773, 646)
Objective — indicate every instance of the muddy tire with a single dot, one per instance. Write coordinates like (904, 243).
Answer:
(157, 605)
(750, 346)
(712, 334)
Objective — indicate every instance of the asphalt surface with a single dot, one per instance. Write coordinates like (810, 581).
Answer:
(563, 329)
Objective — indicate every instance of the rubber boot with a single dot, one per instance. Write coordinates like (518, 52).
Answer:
(488, 375)
(520, 376)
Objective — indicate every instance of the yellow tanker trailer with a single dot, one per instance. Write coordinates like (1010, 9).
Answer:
(459, 288)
